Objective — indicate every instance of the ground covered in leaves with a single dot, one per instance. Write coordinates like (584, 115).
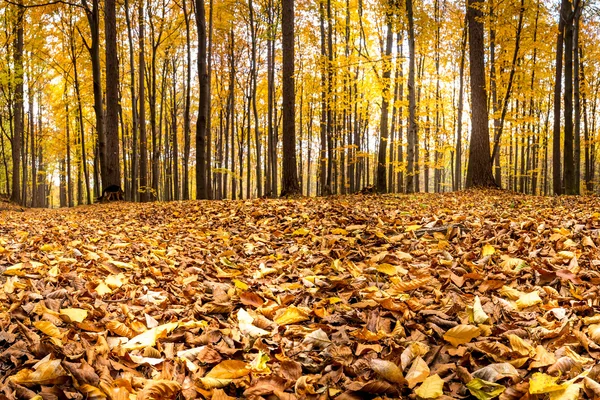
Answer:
(470, 295)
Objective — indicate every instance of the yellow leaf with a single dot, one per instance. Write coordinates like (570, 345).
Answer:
(115, 281)
(567, 255)
(411, 228)
(520, 346)
(571, 392)
(121, 264)
(461, 334)
(418, 372)
(148, 338)
(240, 285)
(479, 316)
(291, 315)
(387, 370)
(54, 272)
(102, 289)
(528, 300)
(512, 264)
(259, 364)
(46, 373)
(47, 247)
(74, 314)
(214, 383)
(339, 231)
(387, 269)
(586, 241)
(301, 232)
(542, 358)
(432, 388)
(485, 390)
(48, 328)
(543, 383)
(487, 250)
(229, 369)
(401, 287)
(510, 293)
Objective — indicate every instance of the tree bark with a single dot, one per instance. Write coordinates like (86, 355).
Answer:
(412, 146)
(289, 183)
(479, 170)
(201, 187)
(383, 125)
(113, 167)
(556, 165)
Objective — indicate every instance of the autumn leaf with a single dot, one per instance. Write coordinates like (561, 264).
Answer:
(461, 334)
(431, 388)
(387, 370)
(291, 315)
(418, 372)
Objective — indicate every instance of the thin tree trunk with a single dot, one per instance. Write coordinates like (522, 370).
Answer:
(459, 122)
(133, 195)
(144, 189)
(577, 104)
(412, 150)
(113, 166)
(556, 165)
(383, 126)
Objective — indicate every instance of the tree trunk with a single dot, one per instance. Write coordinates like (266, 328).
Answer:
(18, 107)
(383, 125)
(289, 182)
(201, 186)
(186, 110)
(577, 103)
(144, 189)
(133, 195)
(412, 147)
(459, 122)
(568, 162)
(556, 173)
(479, 170)
(113, 167)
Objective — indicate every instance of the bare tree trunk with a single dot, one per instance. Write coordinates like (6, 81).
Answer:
(113, 166)
(142, 114)
(577, 103)
(289, 183)
(324, 187)
(201, 185)
(412, 148)
(186, 110)
(209, 189)
(556, 173)
(18, 108)
(459, 123)
(479, 170)
(133, 195)
(383, 125)
(568, 162)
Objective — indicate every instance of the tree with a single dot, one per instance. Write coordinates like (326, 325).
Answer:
(479, 170)
(385, 102)
(289, 182)
(201, 176)
(412, 148)
(17, 135)
(112, 171)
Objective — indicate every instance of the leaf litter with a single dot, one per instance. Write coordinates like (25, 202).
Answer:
(478, 294)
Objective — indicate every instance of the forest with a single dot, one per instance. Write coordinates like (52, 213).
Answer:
(172, 99)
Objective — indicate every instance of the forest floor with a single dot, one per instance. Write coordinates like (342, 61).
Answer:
(484, 294)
